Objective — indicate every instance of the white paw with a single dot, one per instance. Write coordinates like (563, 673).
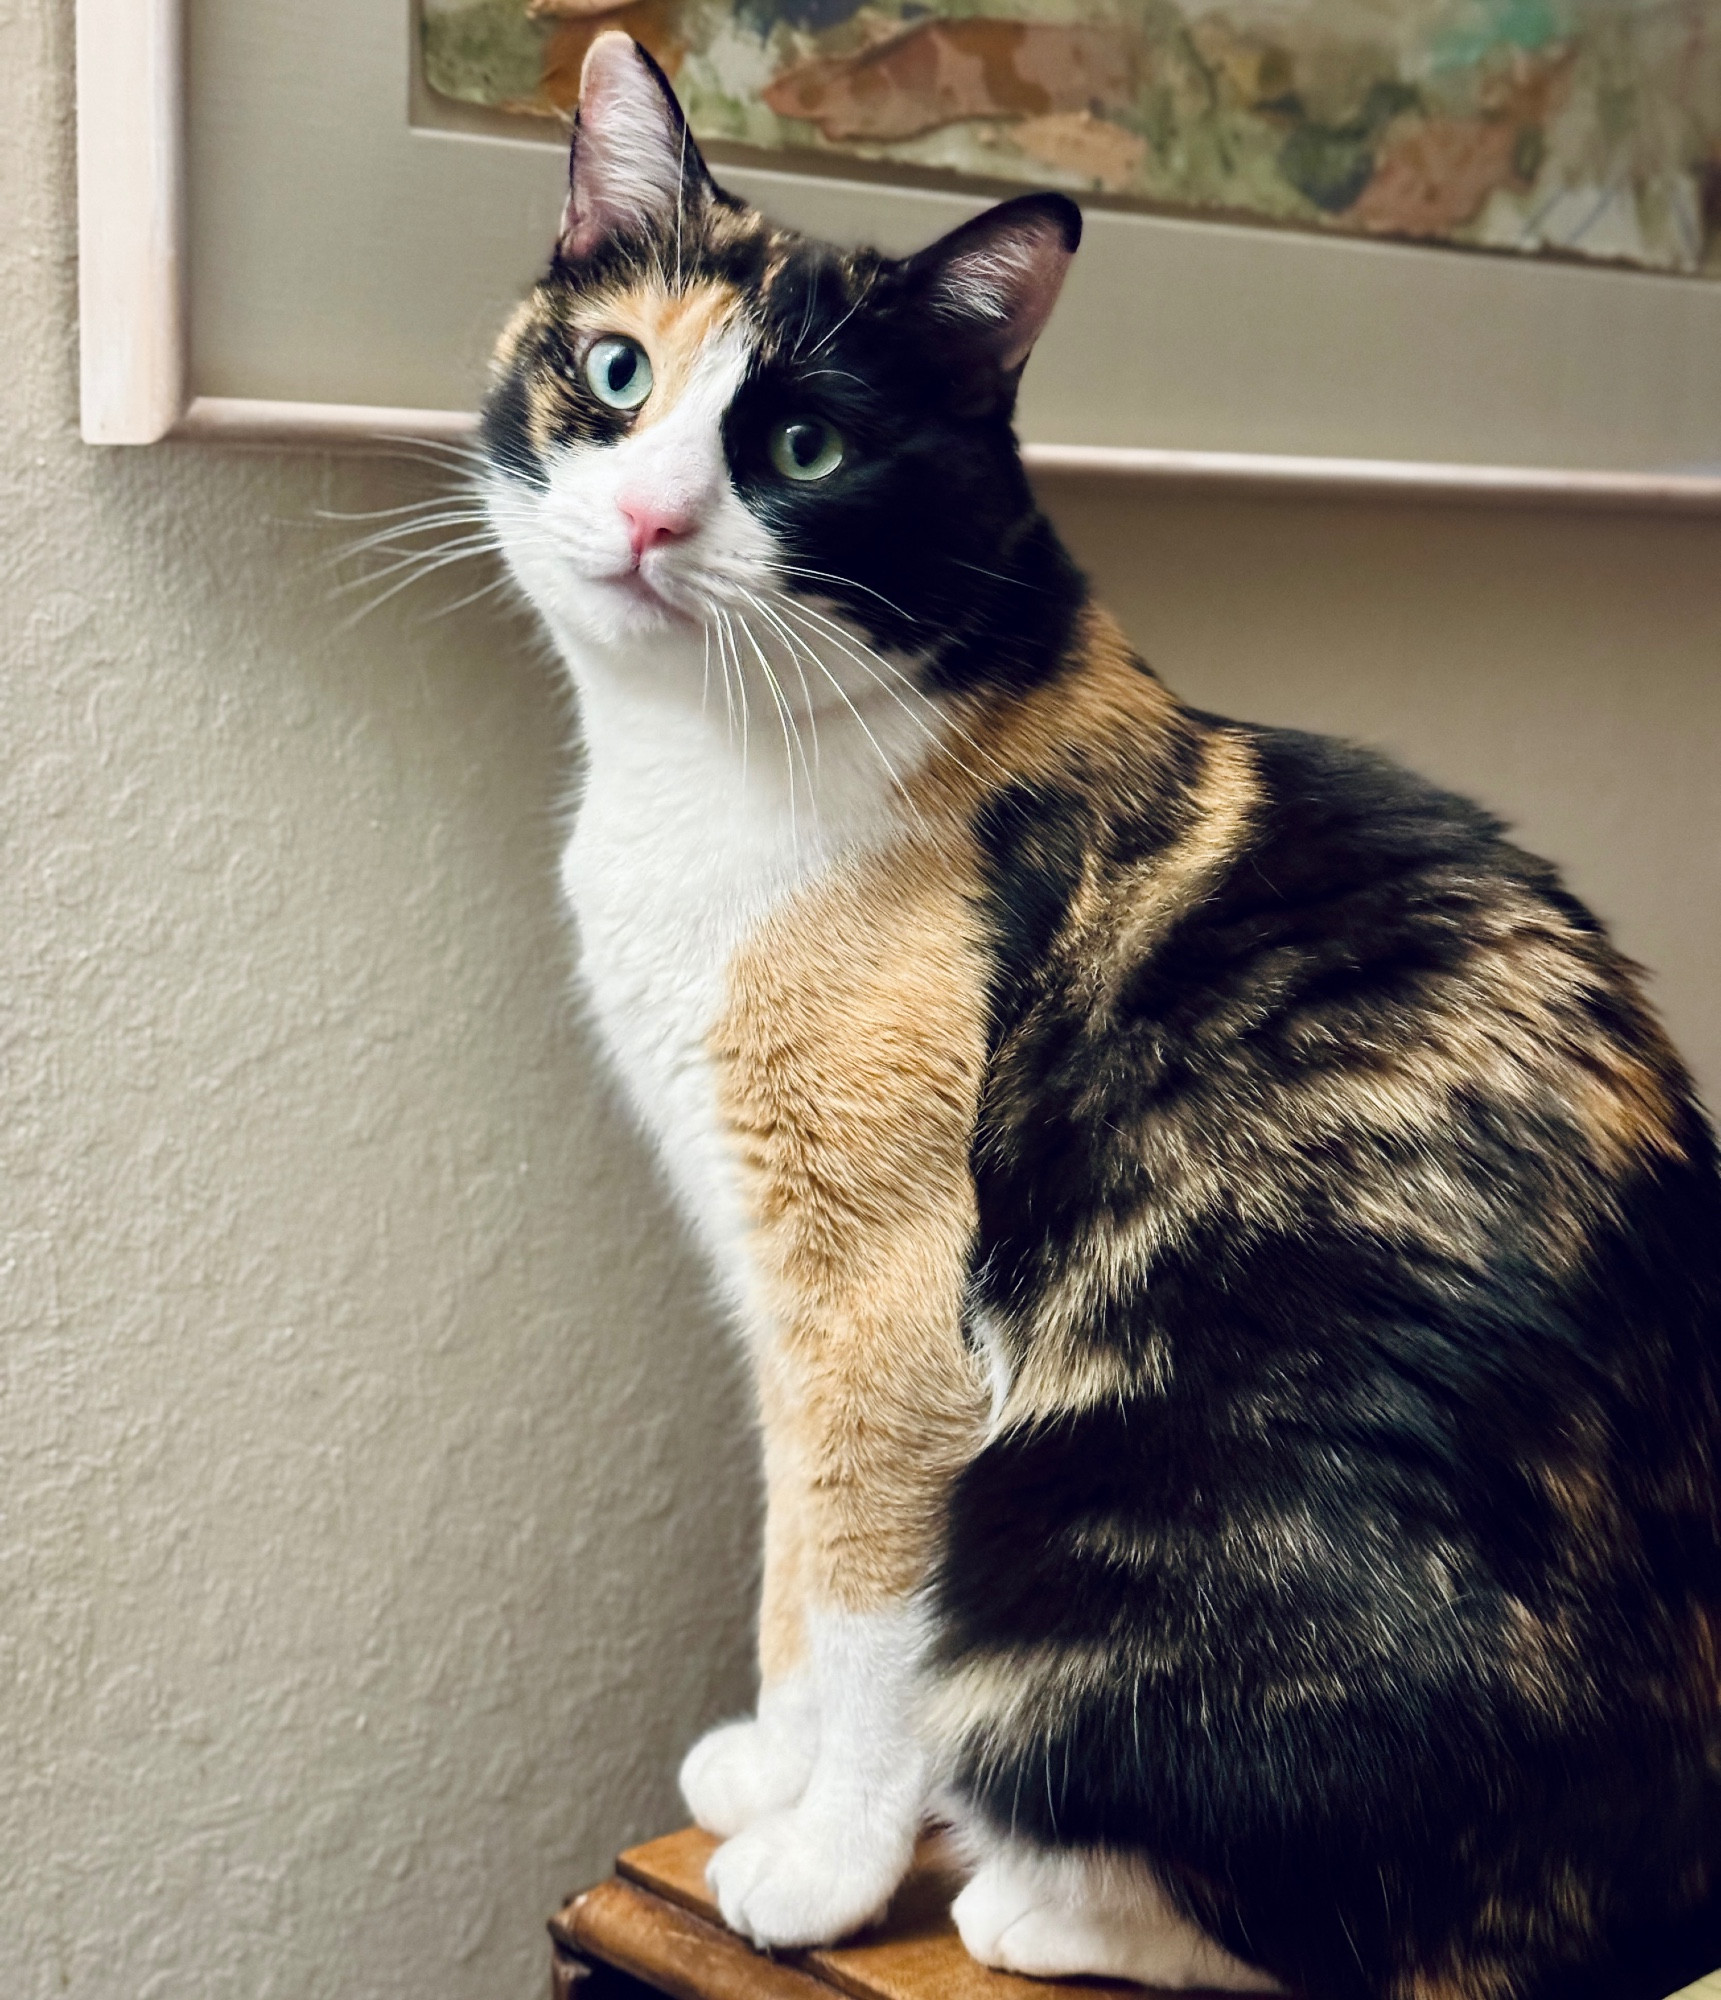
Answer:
(1053, 1917)
(806, 1877)
(745, 1771)
(992, 1903)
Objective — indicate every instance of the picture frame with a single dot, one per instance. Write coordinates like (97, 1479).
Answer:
(275, 250)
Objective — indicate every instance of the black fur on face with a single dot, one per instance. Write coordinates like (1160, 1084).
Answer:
(927, 535)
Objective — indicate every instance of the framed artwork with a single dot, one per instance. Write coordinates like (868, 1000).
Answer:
(1511, 125)
(1460, 247)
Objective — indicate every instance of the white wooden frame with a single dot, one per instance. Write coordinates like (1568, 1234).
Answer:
(134, 330)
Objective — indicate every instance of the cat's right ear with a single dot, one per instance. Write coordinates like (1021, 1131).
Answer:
(634, 167)
(991, 284)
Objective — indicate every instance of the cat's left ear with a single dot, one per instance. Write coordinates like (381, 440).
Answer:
(994, 281)
(634, 166)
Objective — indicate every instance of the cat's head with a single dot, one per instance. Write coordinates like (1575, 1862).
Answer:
(696, 411)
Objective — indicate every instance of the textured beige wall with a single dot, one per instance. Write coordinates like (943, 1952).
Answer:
(373, 1498)
(1563, 668)
(361, 1574)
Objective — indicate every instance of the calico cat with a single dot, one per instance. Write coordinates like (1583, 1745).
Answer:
(1230, 1263)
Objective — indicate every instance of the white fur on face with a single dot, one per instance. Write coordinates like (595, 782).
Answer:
(707, 614)
(568, 544)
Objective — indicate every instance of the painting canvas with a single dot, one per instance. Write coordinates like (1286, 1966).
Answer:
(1585, 127)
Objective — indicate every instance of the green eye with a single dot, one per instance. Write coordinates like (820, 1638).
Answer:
(806, 448)
(619, 371)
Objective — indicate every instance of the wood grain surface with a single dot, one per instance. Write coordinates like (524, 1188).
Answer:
(657, 1922)
(914, 1954)
(674, 1951)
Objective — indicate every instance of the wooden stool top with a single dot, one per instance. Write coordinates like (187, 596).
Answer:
(654, 1921)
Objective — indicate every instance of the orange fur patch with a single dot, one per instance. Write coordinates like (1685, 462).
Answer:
(849, 1062)
(1098, 723)
(782, 1602)
(1469, 1982)
(673, 326)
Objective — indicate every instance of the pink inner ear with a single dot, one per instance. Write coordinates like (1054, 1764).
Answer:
(629, 148)
(1006, 285)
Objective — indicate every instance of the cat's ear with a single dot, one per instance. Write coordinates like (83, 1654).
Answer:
(634, 164)
(994, 281)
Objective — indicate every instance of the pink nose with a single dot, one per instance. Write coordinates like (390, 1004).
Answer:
(649, 523)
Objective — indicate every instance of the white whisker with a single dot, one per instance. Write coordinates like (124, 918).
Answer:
(842, 695)
(783, 721)
(484, 590)
(835, 330)
(848, 583)
(794, 647)
(421, 561)
(806, 325)
(870, 662)
(897, 686)
(443, 454)
(806, 696)
(713, 630)
(415, 573)
(391, 541)
(740, 687)
(393, 534)
(680, 200)
(430, 504)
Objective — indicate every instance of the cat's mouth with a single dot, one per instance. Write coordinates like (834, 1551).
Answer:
(637, 588)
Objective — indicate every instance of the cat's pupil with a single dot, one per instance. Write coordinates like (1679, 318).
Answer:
(619, 370)
(805, 442)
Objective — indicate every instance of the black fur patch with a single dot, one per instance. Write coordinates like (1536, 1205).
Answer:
(1403, 1548)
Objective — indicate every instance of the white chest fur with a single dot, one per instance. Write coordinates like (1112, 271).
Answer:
(682, 846)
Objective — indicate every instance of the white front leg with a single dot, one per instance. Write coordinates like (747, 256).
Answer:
(830, 1863)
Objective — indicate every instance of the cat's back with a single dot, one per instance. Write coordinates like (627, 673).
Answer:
(1322, 1119)
(1256, 976)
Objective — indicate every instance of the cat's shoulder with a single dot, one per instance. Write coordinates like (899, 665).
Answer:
(1336, 826)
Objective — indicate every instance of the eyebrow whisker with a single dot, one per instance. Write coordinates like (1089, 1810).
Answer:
(835, 330)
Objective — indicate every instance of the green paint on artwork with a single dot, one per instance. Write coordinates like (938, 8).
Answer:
(1332, 164)
(1589, 126)
(1494, 25)
(489, 53)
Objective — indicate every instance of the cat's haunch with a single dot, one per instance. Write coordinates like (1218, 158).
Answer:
(1230, 1263)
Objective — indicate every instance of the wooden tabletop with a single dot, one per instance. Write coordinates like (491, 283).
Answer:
(656, 1922)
